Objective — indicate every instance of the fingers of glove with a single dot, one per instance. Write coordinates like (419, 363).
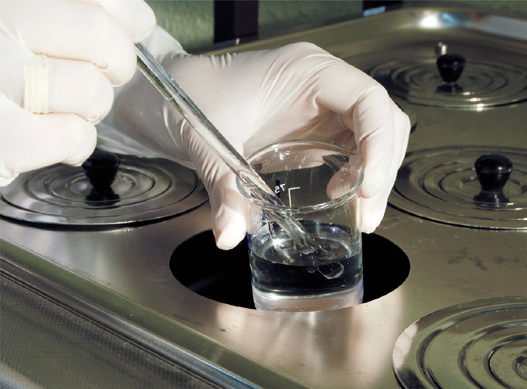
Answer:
(47, 85)
(227, 204)
(324, 83)
(372, 209)
(29, 141)
(366, 109)
(380, 128)
(375, 134)
(134, 15)
(229, 222)
(72, 30)
(78, 87)
(403, 127)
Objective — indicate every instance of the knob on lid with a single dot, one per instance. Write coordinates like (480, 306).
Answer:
(101, 169)
(450, 67)
(493, 171)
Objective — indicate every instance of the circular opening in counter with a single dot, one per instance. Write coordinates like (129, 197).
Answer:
(225, 276)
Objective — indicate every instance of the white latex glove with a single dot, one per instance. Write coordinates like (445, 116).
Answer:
(59, 60)
(258, 98)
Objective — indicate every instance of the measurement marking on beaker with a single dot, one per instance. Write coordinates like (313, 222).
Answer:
(279, 187)
(289, 193)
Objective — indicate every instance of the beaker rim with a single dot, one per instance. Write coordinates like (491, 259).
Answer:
(327, 146)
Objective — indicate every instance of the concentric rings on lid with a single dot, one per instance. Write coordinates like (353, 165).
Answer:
(144, 189)
(480, 344)
(442, 185)
(482, 83)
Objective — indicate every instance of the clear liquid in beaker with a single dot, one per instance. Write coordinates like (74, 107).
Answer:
(284, 279)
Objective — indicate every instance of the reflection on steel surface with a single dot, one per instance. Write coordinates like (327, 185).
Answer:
(482, 84)
(145, 188)
(120, 275)
(441, 184)
(479, 344)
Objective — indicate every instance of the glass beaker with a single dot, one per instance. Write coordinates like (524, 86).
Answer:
(317, 183)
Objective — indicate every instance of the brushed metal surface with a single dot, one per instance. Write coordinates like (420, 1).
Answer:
(144, 189)
(121, 276)
(480, 344)
(442, 184)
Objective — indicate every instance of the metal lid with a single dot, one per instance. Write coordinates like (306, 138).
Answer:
(442, 185)
(482, 83)
(143, 189)
(481, 344)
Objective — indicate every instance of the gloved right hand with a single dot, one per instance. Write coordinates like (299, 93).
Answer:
(256, 99)
(59, 62)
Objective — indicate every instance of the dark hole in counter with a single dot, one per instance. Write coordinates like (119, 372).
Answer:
(225, 276)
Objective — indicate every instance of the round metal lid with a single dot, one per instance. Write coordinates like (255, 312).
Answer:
(144, 189)
(482, 83)
(481, 344)
(442, 185)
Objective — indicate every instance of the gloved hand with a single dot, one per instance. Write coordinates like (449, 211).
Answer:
(258, 98)
(59, 62)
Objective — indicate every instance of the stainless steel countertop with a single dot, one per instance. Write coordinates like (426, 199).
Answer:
(121, 277)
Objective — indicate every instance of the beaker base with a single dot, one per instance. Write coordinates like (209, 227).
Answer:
(320, 302)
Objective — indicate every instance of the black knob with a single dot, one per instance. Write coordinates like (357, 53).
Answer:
(493, 171)
(101, 169)
(450, 67)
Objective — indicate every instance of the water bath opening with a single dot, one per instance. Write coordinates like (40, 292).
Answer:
(225, 276)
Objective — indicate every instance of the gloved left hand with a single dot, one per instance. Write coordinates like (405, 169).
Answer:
(258, 98)
(59, 61)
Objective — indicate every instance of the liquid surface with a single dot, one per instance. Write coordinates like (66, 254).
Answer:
(283, 278)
